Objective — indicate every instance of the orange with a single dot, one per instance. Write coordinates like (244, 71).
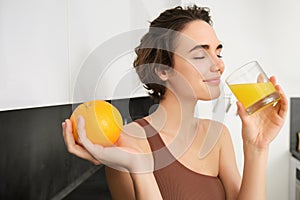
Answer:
(103, 122)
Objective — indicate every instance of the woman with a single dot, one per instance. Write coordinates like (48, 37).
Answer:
(157, 157)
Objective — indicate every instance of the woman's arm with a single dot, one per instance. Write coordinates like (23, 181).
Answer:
(126, 186)
(120, 184)
(128, 163)
(228, 171)
(253, 183)
(258, 131)
(145, 186)
(254, 174)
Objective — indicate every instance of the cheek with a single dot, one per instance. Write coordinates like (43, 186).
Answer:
(194, 69)
(192, 72)
(202, 68)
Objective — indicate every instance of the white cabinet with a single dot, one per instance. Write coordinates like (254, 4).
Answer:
(33, 53)
(100, 50)
(55, 52)
(102, 41)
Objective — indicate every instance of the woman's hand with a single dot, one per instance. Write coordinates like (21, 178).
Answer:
(125, 155)
(260, 128)
(73, 147)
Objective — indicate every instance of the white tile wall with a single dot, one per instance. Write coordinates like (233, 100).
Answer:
(33, 53)
(61, 51)
(102, 42)
(99, 49)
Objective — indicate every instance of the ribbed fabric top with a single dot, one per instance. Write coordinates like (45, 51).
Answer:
(175, 181)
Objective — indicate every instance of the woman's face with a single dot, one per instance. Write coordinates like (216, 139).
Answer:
(197, 62)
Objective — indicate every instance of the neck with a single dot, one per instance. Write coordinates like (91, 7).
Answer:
(174, 113)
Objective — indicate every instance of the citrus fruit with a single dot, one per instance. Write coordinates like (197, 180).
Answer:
(103, 122)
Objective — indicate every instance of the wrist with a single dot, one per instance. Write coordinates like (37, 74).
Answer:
(141, 164)
(254, 149)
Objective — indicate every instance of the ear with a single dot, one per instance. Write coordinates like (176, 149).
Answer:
(162, 73)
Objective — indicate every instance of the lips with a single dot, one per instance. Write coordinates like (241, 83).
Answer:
(212, 81)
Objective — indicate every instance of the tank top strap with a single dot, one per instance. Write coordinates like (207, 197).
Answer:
(175, 181)
(161, 154)
(153, 137)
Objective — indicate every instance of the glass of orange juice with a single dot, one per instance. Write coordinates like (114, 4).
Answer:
(252, 87)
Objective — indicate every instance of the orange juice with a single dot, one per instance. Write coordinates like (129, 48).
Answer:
(250, 93)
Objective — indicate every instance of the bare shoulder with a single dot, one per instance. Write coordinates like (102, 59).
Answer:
(216, 130)
(209, 122)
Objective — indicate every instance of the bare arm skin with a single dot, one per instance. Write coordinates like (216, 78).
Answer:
(228, 171)
(258, 131)
(129, 164)
(120, 184)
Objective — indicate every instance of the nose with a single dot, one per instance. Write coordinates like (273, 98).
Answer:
(217, 65)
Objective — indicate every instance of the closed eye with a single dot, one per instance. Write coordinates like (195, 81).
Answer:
(199, 57)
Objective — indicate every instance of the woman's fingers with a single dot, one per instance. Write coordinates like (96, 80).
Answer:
(87, 143)
(71, 145)
(241, 111)
(283, 102)
(68, 135)
(111, 156)
(273, 80)
(261, 78)
(121, 158)
(96, 150)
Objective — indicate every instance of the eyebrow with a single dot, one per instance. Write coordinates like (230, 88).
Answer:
(204, 46)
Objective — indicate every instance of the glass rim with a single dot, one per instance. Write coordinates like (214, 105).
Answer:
(243, 67)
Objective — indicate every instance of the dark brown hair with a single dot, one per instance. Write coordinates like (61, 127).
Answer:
(156, 46)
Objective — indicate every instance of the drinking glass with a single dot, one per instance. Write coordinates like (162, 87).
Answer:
(251, 86)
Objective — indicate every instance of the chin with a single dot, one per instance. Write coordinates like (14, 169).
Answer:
(211, 95)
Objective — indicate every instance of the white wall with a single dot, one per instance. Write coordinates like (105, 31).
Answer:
(282, 36)
(62, 51)
(33, 53)
(102, 42)
(267, 31)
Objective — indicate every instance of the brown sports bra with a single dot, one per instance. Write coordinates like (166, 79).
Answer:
(175, 181)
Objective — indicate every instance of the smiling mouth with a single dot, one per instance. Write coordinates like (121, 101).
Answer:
(212, 81)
